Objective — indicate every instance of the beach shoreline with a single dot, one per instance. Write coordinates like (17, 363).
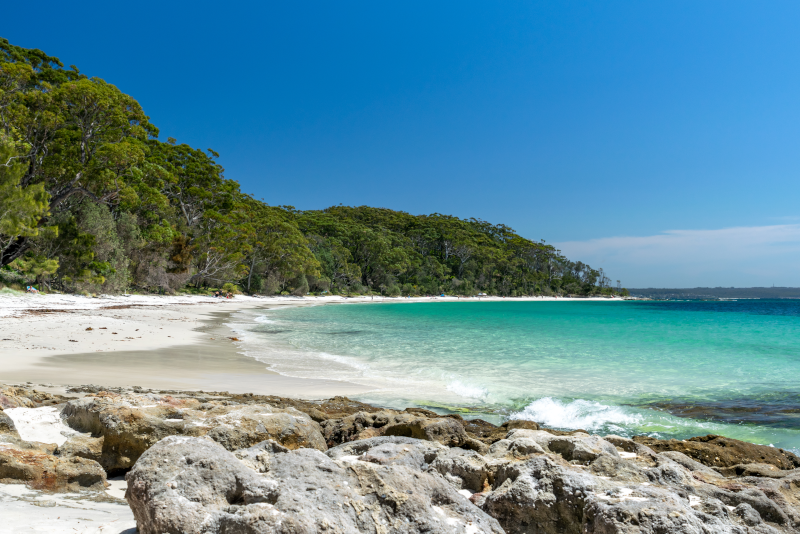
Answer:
(158, 342)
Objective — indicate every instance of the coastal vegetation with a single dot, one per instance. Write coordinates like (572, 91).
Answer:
(92, 201)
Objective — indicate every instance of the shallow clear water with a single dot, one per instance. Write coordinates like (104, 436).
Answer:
(669, 369)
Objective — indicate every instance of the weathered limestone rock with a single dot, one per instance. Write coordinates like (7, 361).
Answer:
(390, 450)
(7, 424)
(131, 424)
(82, 447)
(193, 485)
(41, 470)
(463, 469)
(578, 447)
(719, 451)
(18, 397)
(259, 456)
(643, 492)
(447, 431)
(361, 425)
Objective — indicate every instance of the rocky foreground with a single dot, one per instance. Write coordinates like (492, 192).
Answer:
(221, 463)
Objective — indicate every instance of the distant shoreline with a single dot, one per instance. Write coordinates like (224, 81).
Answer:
(718, 292)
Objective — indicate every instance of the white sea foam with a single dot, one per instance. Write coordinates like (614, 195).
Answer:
(466, 390)
(343, 360)
(580, 413)
(262, 319)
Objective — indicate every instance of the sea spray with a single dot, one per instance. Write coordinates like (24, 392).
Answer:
(580, 413)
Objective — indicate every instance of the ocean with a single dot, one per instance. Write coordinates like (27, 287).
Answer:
(668, 369)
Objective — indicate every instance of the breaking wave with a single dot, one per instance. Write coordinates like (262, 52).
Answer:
(580, 413)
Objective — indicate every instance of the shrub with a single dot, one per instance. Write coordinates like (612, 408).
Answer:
(300, 286)
(357, 288)
(232, 288)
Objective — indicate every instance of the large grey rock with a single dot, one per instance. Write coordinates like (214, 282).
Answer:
(544, 496)
(538, 495)
(193, 485)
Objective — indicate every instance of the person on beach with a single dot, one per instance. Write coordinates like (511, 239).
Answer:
(31, 289)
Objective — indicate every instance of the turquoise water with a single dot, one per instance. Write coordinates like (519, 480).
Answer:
(668, 369)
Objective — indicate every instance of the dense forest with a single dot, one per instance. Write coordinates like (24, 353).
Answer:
(91, 201)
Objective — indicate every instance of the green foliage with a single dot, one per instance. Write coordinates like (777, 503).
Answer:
(91, 200)
(231, 288)
(21, 208)
(36, 268)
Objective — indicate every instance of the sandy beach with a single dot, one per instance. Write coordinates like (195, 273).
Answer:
(161, 342)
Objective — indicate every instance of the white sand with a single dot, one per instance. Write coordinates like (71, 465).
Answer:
(40, 424)
(23, 510)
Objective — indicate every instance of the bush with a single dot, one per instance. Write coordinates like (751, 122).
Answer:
(231, 288)
(357, 288)
(393, 291)
(272, 285)
(300, 286)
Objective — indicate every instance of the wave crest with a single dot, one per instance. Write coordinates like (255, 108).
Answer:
(466, 390)
(580, 413)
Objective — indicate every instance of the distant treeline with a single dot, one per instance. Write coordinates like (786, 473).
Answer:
(92, 201)
(719, 292)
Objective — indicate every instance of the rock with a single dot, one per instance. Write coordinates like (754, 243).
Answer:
(747, 514)
(7, 424)
(651, 511)
(719, 451)
(17, 397)
(193, 485)
(389, 450)
(361, 425)
(463, 469)
(131, 424)
(545, 496)
(578, 447)
(688, 463)
(259, 456)
(755, 470)
(448, 432)
(244, 426)
(538, 495)
(41, 470)
(82, 447)
(516, 449)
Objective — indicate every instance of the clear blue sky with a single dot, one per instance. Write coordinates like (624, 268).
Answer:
(598, 126)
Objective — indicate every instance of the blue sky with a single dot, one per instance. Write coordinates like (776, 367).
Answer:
(658, 140)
